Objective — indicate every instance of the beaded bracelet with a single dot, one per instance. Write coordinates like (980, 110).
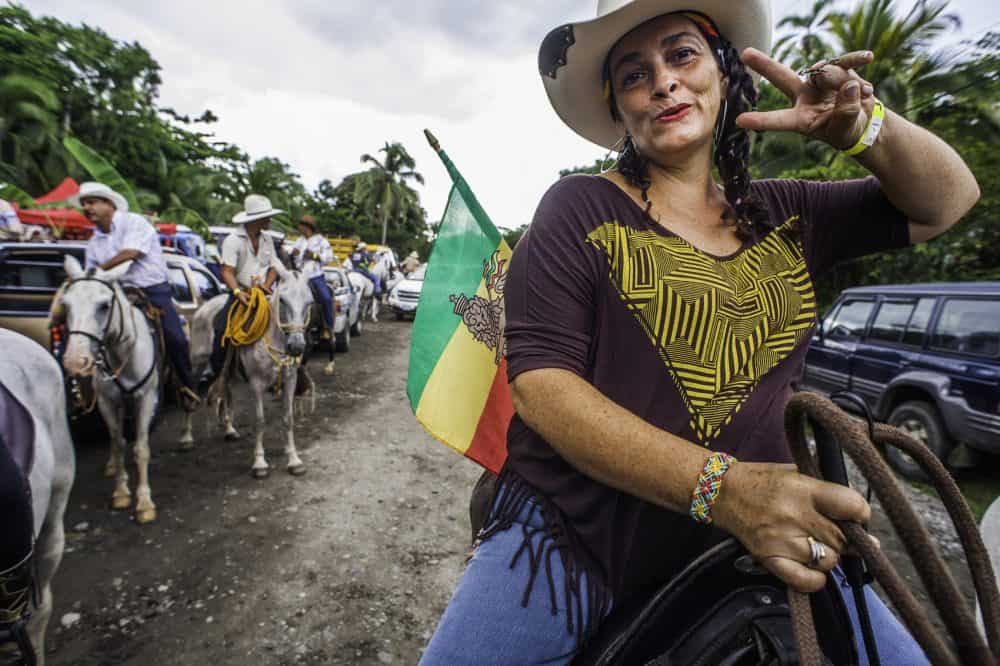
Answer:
(709, 485)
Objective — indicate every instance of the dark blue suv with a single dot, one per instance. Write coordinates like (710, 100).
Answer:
(926, 358)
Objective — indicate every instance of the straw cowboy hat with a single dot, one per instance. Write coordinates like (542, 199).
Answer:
(255, 207)
(93, 190)
(571, 58)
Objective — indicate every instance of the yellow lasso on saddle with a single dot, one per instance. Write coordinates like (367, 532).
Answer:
(245, 325)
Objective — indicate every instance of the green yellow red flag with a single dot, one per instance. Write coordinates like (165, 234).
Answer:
(457, 382)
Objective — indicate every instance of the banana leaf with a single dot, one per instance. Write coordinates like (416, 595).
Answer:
(16, 194)
(101, 170)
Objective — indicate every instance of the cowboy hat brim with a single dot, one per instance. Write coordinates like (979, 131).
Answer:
(116, 199)
(244, 217)
(571, 58)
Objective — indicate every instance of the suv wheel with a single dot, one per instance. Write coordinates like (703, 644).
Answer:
(920, 420)
(344, 340)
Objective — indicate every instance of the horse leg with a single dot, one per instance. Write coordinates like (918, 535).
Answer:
(295, 466)
(145, 510)
(187, 437)
(48, 555)
(114, 415)
(374, 309)
(227, 414)
(260, 469)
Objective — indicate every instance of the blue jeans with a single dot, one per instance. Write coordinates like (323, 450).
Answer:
(174, 338)
(373, 278)
(484, 623)
(321, 292)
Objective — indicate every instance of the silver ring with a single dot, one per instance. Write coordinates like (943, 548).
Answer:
(817, 551)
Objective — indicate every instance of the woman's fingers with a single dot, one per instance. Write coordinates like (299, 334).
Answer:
(797, 575)
(838, 502)
(782, 120)
(783, 78)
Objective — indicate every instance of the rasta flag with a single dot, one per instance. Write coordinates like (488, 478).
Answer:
(457, 381)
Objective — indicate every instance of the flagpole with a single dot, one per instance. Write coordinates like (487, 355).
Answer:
(463, 187)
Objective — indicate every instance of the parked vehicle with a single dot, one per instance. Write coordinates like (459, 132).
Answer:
(347, 307)
(191, 283)
(925, 357)
(405, 296)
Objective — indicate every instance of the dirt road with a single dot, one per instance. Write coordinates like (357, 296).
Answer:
(350, 564)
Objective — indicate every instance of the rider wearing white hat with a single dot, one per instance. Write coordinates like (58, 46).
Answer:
(247, 257)
(122, 237)
(411, 263)
(361, 259)
(657, 321)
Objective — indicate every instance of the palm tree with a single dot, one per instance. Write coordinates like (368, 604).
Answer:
(804, 45)
(31, 154)
(383, 189)
(903, 59)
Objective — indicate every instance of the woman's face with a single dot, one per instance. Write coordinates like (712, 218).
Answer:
(667, 85)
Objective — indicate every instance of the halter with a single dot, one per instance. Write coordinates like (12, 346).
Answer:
(281, 358)
(104, 362)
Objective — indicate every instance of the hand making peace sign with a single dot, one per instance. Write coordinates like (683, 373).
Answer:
(831, 104)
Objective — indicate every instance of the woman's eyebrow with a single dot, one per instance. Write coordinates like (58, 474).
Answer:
(669, 40)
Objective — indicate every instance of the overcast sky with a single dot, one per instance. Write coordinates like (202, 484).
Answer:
(317, 83)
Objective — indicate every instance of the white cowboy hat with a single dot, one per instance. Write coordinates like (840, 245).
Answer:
(91, 190)
(361, 246)
(255, 207)
(413, 255)
(571, 58)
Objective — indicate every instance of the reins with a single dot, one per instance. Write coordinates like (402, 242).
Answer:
(935, 575)
(105, 340)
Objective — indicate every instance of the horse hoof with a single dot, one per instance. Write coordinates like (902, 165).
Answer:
(145, 516)
(297, 470)
(187, 445)
(121, 503)
(261, 473)
(328, 369)
(232, 436)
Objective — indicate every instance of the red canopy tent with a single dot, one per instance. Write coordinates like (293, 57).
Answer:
(66, 223)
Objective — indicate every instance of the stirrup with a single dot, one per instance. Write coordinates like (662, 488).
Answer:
(16, 591)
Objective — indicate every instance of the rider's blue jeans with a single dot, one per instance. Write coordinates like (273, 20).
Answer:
(322, 293)
(174, 338)
(373, 278)
(484, 622)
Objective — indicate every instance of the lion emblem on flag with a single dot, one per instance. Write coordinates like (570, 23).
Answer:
(484, 317)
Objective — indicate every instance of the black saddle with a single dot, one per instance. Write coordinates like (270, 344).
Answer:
(722, 609)
(17, 431)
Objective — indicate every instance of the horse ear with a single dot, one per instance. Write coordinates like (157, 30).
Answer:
(72, 267)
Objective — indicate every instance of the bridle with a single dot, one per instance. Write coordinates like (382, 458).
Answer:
(282, 359)
(107, 339)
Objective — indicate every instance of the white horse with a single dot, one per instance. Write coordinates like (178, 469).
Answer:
(110, 340)
(387, 271)
(365, 291)
(990, 529)
(30, 373)
(274, 358)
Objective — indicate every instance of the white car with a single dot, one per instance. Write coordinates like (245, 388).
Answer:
(404, 296)
(347, 319)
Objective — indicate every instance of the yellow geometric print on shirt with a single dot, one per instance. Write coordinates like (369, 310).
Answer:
(718, 324)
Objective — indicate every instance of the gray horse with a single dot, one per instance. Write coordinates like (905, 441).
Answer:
(110, 340)
(31, 374)
(274, 359)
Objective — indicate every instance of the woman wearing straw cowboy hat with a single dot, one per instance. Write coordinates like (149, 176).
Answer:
(657, 319)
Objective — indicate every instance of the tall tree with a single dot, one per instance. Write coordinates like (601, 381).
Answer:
(804, 44)
(383, 189)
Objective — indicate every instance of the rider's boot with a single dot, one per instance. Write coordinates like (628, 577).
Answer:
(16, 590)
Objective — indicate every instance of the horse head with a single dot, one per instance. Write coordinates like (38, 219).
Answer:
(95, 316)
(293, 301)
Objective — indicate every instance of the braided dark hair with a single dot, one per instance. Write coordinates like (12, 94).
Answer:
(731, 150)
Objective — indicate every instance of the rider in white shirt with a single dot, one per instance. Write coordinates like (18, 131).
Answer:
(312, 251)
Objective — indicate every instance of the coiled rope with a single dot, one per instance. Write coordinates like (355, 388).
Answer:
(246, 324)
(968, 646)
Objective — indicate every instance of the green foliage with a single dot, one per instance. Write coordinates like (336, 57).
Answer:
(100, 170)
(76, 102)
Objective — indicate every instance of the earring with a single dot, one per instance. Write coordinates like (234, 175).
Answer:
(722, 121)
(618, 146)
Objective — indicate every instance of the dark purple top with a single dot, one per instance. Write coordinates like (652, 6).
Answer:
(704, 347)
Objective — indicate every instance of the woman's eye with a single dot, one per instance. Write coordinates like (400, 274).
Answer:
(632, 78)
(682, 55)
